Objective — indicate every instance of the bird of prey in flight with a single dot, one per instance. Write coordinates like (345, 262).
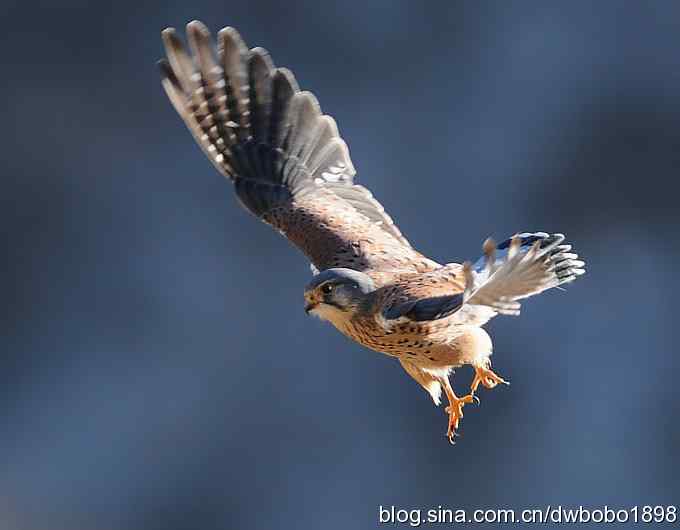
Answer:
(290, 167)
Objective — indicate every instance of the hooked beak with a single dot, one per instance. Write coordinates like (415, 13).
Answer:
(312, 300)
(310, 305)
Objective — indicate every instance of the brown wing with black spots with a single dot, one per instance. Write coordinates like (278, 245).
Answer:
(331, 233)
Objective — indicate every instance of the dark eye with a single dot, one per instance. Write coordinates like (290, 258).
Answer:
(327, 288)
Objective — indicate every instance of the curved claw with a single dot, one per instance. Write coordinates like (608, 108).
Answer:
(487, 378)
(455, 412)
(451, 435)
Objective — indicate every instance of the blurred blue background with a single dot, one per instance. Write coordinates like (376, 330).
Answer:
(158, 371)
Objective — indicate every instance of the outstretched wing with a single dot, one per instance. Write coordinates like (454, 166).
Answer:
(286, 159)
(522, 266)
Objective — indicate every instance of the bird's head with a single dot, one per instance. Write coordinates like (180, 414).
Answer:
(338, 294)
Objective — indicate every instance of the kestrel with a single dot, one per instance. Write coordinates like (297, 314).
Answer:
(290, 167)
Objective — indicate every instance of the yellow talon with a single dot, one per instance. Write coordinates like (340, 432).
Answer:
(487, 378)
(455, 412)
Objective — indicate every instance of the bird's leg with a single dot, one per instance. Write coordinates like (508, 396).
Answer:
(486, 377)
(455, 408)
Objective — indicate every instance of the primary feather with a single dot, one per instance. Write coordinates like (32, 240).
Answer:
(286, 159)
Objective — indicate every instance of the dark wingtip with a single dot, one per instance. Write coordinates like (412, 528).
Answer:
(167, 72)
(196, 25)
(197, 31)
(164, 67)
(230, 36)
(168, 32)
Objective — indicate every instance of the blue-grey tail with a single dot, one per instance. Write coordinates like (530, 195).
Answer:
(522, 266)
(563, 261)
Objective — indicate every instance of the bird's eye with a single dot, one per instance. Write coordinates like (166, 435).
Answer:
(327, 288)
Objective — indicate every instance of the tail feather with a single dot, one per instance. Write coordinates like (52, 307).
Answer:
(522, 266)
